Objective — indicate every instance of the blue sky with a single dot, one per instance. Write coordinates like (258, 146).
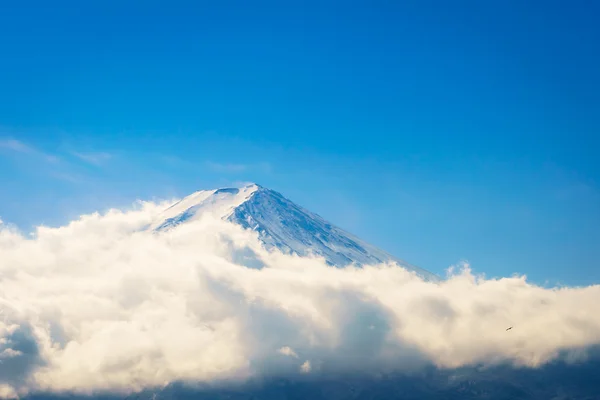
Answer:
(437, 130)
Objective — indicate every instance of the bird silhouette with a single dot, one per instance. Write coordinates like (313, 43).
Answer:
(508, 329)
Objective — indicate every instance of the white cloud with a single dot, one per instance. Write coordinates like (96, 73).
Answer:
(287, 351)
(305, 368)
(101, 304)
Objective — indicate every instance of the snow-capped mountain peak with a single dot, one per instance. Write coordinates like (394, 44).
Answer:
(219, 202)
(280, 224)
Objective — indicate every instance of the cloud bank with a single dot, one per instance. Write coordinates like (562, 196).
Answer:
(103, 305)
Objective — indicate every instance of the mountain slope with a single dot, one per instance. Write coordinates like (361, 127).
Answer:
(280, 224)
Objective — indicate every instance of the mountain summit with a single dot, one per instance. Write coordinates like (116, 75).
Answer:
(280, 224)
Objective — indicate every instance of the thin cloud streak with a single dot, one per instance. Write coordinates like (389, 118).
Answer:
(17, 146)
(97, 159)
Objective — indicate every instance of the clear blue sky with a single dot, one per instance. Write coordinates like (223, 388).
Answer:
(437, 130)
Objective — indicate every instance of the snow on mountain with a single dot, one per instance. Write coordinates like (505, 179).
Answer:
(219, 202)
(280, 224)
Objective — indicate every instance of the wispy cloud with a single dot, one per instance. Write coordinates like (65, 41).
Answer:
(98, 158)
(287, 351)
(17, 146)
(66, 176)
(55, 167)
(306, 367)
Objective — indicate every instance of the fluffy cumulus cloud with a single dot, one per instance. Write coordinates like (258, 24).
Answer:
(103, 304)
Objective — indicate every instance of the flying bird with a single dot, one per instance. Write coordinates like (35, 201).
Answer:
(508, 329)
